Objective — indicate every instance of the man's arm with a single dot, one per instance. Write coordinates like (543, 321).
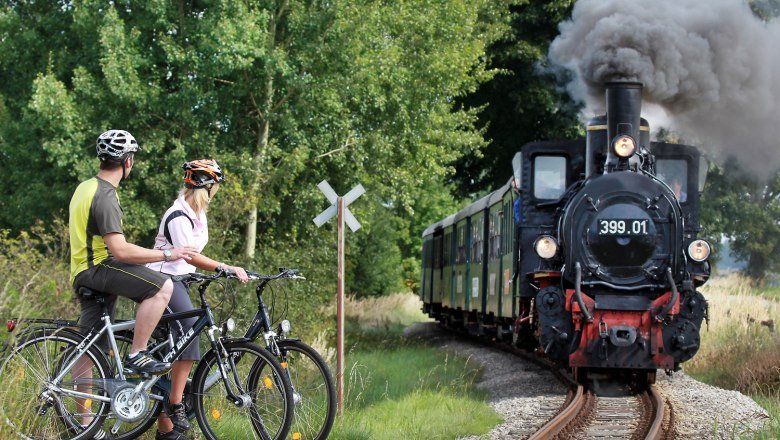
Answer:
(132, 254)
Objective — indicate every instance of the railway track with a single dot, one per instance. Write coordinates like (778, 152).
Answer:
(623, 416)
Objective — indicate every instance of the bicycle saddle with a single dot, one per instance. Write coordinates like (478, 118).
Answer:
(87, 293)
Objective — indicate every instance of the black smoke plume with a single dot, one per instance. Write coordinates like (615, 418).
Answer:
(712, 66)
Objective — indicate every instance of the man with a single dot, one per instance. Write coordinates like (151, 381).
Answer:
(102, 260)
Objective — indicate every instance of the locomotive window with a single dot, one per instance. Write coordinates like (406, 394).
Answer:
(704, 168)
(549, 177)
(674, 172)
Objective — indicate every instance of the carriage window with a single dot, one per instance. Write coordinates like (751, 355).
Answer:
(674, 172)
(461, 258)
(549, 177)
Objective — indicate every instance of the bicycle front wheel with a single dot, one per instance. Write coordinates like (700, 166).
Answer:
(314, 394)
(254, 376)
(36, 406)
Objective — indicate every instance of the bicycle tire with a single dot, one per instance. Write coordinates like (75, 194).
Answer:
(72, 340)
(281, 383)
(287, 345)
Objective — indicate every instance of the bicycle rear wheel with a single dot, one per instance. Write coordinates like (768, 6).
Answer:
(267, 408)
(314, 394)
(33, 406)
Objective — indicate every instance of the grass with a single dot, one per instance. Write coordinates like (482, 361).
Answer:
(741, 345)
(412, 392)
(400, 388)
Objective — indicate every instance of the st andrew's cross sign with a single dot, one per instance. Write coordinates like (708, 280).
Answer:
(339, 208)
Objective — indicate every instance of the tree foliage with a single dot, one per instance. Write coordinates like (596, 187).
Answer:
(746, 210)
(523, 103)
(283, 93)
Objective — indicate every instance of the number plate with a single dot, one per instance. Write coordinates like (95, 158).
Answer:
(623, 227)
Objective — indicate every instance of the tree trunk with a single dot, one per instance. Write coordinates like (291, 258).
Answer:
(261, 147)
(757, 268)
(250, 237)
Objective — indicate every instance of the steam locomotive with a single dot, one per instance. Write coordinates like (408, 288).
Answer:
(589, 254)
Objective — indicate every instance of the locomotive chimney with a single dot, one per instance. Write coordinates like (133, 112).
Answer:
(624, 108)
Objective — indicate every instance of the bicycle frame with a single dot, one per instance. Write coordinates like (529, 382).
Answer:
(205, 319)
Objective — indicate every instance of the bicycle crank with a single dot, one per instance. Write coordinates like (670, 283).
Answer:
(128, 404)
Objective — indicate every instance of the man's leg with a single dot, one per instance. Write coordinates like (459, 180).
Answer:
(149, 312)
(151, 290)
(82, 369)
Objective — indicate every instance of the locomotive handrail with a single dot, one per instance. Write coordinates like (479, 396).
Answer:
(672, 301)
(578, 291)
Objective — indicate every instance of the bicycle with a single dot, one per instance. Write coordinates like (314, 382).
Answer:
(54, 399)
(313, 391)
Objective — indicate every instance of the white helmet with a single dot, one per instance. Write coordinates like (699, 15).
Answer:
(115, 145)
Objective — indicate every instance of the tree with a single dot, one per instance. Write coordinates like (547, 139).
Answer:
(766, 9)
(746, 210)
(281, 92)
(524, 102)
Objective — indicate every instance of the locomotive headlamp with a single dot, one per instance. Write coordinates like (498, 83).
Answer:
(699, 250)
(624, 146)
(546, 247)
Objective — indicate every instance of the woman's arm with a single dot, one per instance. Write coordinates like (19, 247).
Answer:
(181, 235)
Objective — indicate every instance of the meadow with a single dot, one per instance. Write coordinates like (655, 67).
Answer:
(740, 347)
(398, 387)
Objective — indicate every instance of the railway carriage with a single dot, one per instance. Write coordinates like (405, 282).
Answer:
(600, 268)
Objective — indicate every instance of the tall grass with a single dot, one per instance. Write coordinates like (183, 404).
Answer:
(741, 345)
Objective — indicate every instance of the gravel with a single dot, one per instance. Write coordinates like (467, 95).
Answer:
(703, 411)
(527, 395)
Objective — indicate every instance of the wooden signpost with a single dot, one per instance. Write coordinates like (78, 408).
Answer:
(339, 208)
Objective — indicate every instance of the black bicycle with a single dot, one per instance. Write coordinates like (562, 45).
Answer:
(314, 394)
(58, 384)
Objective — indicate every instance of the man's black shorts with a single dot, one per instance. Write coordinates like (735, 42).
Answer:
(115, 279)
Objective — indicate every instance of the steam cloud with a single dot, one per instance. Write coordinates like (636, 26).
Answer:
(711, 65)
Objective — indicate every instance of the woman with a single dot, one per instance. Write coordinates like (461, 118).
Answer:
(184, 224)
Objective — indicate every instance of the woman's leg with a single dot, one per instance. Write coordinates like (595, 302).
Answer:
(180, 302)
(180, 372)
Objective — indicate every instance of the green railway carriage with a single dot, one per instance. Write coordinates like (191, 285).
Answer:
(474, 268)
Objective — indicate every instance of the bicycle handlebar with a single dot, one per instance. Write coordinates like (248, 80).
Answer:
(195, 277)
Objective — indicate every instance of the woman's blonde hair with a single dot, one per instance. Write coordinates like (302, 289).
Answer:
(200, 197)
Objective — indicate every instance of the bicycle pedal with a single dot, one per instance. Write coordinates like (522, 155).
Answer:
(134, 375)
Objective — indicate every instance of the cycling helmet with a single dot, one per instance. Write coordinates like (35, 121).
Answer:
(116, 145)
(202, 173)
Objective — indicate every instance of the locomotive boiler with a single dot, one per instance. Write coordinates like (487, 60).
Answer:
(589, 254)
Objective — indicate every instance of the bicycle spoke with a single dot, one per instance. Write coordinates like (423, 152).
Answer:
(311, 394)
(34, 410)
(263, 417)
